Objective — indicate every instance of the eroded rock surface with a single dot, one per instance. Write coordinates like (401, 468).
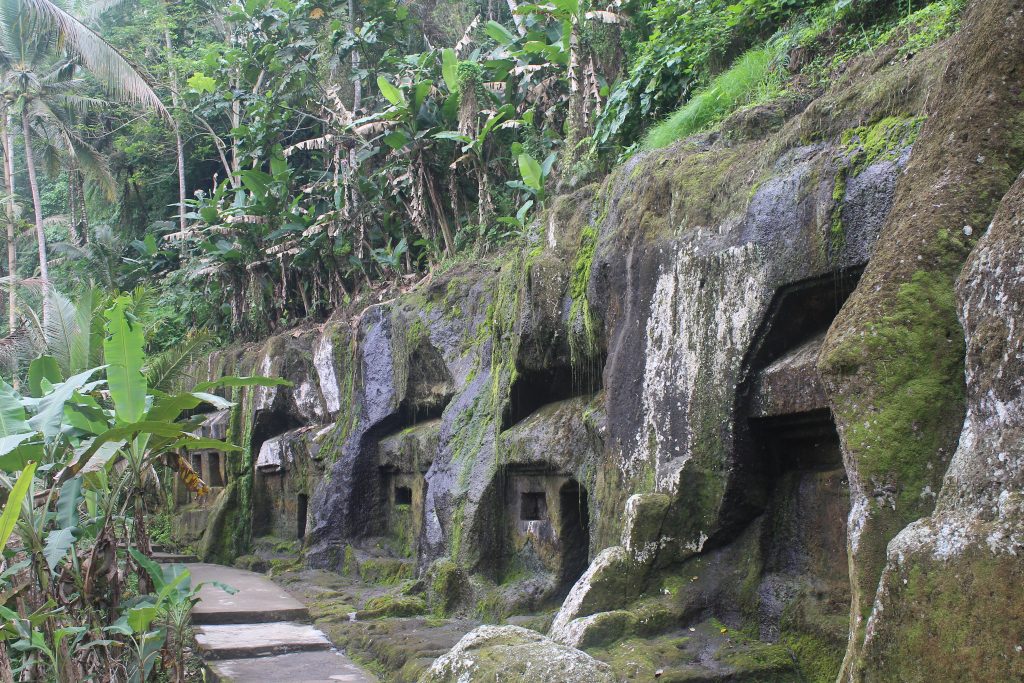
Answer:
(680, 428)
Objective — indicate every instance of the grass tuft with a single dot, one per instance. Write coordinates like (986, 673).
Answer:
(750, 78)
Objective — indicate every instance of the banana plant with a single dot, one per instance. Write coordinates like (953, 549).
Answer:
(474, 150)
(76, 455)
(410, 118)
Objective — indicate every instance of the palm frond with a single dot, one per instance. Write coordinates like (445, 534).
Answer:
(99, 57)
(81, 104)
(16, 346)
(62, 332)
(171, 367)
(94, 164)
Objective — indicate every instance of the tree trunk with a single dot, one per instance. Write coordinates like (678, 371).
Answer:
(37, 208)
(357, 85)
(6, 676)
(180, 147)
(178, 144)
(12, 247)
(83, 208)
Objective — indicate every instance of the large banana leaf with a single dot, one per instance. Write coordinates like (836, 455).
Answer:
(121, 433)
(122, 350)
(12, 413)
(44, 367)
(50, 408)
(13, 507)
(169, 408)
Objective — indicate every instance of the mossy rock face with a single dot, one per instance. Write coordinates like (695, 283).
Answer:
(223, 541)
(948, 604)
(642, 526)
(708, 651)
(757, 122)
(385, 571)
(491, 654)
(611, 581)
(893, 360)
(253, 563)
(599, 629)
(447, 586)
(948, 619)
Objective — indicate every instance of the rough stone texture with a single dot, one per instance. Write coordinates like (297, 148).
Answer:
(666, 347)
(892, 362)
(258, 599)
(234, 641)
(948, 606)
(498, 653)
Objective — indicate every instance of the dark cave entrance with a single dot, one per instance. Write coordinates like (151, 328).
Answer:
(546, 518)
(274, 485)
(805, 441)
(783, 422)
(574, 532)
(270, 425)
(302, 509)
(215, 469)
(533, 506)
(534, 389)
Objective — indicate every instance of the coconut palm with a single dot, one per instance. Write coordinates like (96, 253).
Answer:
(41, 48)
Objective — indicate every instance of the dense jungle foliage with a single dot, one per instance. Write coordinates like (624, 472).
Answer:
(238, 167)
(331, 150)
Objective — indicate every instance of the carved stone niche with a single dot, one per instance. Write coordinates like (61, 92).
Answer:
(403, 493)
(546, 525)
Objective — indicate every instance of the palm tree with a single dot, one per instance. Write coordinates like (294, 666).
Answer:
(41, 46)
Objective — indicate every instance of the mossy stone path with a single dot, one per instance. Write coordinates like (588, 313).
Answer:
(261, 633)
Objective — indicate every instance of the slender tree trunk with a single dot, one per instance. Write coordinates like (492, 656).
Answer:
(74, 236)
(6, 676)
(179, 145)
(84, 218)
(357, 86)
(12, 250)
(357, 97)
(76, 204)
(37, 208)
(236, 120)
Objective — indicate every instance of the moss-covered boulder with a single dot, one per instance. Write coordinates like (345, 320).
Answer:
(491, 654)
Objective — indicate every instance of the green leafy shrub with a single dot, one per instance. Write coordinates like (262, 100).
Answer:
(686, 44)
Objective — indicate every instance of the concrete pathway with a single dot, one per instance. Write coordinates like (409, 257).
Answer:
(261, 634)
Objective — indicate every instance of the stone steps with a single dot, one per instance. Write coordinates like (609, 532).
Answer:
(301, 667)
(236, 641)
(174, 558)
(256, 634)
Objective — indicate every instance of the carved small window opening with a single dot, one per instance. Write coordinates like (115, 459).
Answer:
(403, 495)
(533, 506)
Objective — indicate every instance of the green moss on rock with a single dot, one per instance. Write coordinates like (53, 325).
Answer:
(392, 606)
